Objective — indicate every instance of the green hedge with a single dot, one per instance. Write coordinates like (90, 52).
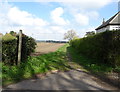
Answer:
(105, 47)
(28, 46)
(0, 47)
(10, 48)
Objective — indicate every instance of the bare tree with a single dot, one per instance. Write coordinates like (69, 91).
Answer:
(71, 34)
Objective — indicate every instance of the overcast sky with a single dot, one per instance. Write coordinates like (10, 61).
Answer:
(50, 19)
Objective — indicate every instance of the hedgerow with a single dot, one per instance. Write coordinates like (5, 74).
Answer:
(10, 48)
(104, 47)
(28, 46)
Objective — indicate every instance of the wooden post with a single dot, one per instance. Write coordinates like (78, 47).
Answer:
(19, 47)
(0, 48)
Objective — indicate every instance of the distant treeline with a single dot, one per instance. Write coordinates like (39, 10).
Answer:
(51, 41)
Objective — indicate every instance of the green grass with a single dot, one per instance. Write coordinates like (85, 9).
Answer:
(90, 64)
(34, 65)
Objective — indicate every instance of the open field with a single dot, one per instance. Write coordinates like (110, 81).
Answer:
(44, 47)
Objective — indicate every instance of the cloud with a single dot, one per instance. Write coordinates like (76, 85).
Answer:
(86, 4)
(81, 19)
(57, 0)
(58, 29)
(80, 12)
(24, 18)
(13, 18)
(45, 33)
(93, 15)
(84, 11)
(56, 16)
(83, 31)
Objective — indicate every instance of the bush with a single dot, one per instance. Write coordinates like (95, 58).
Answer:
(0, 47)
(105, 47)
(10, 48)
(8, 37)
(28, 46)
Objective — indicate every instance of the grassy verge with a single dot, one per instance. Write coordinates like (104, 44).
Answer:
(34, 65)
(104, 72)
(91, 64)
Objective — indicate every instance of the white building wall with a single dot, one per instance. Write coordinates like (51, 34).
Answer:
(110, 27)
(103, 29)
(114, 27)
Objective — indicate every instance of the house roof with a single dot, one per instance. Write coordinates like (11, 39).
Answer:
(114, 20)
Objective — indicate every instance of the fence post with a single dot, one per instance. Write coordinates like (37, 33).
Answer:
(0, 61)
(19, 47)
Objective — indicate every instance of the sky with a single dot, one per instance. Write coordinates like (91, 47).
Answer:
(51, 19)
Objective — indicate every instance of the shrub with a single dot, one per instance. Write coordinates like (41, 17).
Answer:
(10, 47)
(28, 46)
(8, 37)
(0, 47)
(105, 47)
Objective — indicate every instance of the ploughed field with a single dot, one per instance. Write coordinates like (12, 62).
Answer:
(44, 47)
